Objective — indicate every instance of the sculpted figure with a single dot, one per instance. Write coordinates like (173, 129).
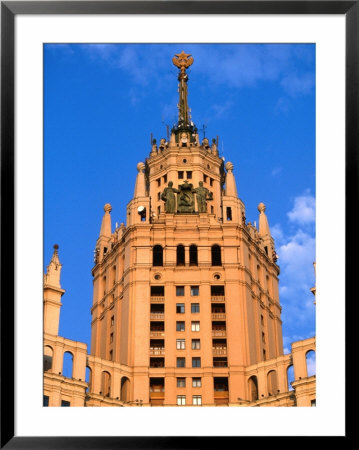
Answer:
(186, 198)
(202, 195)
(168, 196)
(205, 143)
(154, 147)
(184, 139)
(163, 144)
(214, 147)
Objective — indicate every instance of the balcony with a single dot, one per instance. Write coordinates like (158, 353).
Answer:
(157, 333)
(217, 298)
(157, 316)
(157, 299)
(219, 315)
(219, 351)
(157, 351)
(219, 333)
(221, 394)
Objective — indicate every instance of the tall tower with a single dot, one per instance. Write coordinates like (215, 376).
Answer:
(185, 295)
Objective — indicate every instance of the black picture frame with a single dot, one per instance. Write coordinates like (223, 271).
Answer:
(9, 10)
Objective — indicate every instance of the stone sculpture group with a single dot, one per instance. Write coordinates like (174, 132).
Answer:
(185, 201)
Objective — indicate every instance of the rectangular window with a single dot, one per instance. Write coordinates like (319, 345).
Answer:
(180, 344)
(180, 175)
(65, 403)
(180, 308)
(111, 355)
(196, 344)
(262, 320)
(189, 175)
(112, 321)
(158, 210)
(158, 196)
(196, 382)
(196, 400)
(111, 338)
(194, 308)
(194, 291)
(211, 181)
(205, 177)
(181, 400)
(180, 291)
(165, 178)
(157, 291)
(181, 382)
(196, 362)
(158, 182)
(181, 362)
(46, 400)
(229, 213)
(195, 326)
(179, 326)
(263, 338)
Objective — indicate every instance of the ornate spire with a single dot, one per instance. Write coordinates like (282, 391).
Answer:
(263, 221)
(231, 188)
(53, 272)
(183, 61)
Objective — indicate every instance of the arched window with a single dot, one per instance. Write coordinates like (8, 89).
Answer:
(48, 355)
(310, 360)
(193, 255)
(272, 382)
(157, 255)
(253, 388)
(290, 377)
(180, 255)
(216, 255)
(125, 389)
(67, 365)
(105, 384)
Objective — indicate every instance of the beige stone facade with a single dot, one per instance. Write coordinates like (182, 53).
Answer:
(186, 306)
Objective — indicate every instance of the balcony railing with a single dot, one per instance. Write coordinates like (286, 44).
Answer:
(217, 298)
(219, 333)
(157, 316)
(157, 333)
(219, 351)
(221, 315)
(157, 351)
(157, 394)
(221, 394)
(157, 299)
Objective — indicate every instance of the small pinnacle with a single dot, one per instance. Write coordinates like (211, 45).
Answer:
(107, 207)
(261, 207)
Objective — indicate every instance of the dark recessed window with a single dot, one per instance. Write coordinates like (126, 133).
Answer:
(189, 175)
(65, 403)
(180, 255)
(211, 181)
(217, 291)
(181, 382)
(193, 256)
(180, 175)
(229, 213)
(196, 344)
(46, 400)
(157, 291)
(216, 255)
(157, 255)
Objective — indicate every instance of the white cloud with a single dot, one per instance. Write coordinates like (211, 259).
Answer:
(303, 211)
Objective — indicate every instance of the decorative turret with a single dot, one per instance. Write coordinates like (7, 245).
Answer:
(264, 233)
(52, 294)
(53, 270)
(231, 188)
(140, 187)
(106, 222)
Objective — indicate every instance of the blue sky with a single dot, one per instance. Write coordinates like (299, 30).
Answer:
(103, 101)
